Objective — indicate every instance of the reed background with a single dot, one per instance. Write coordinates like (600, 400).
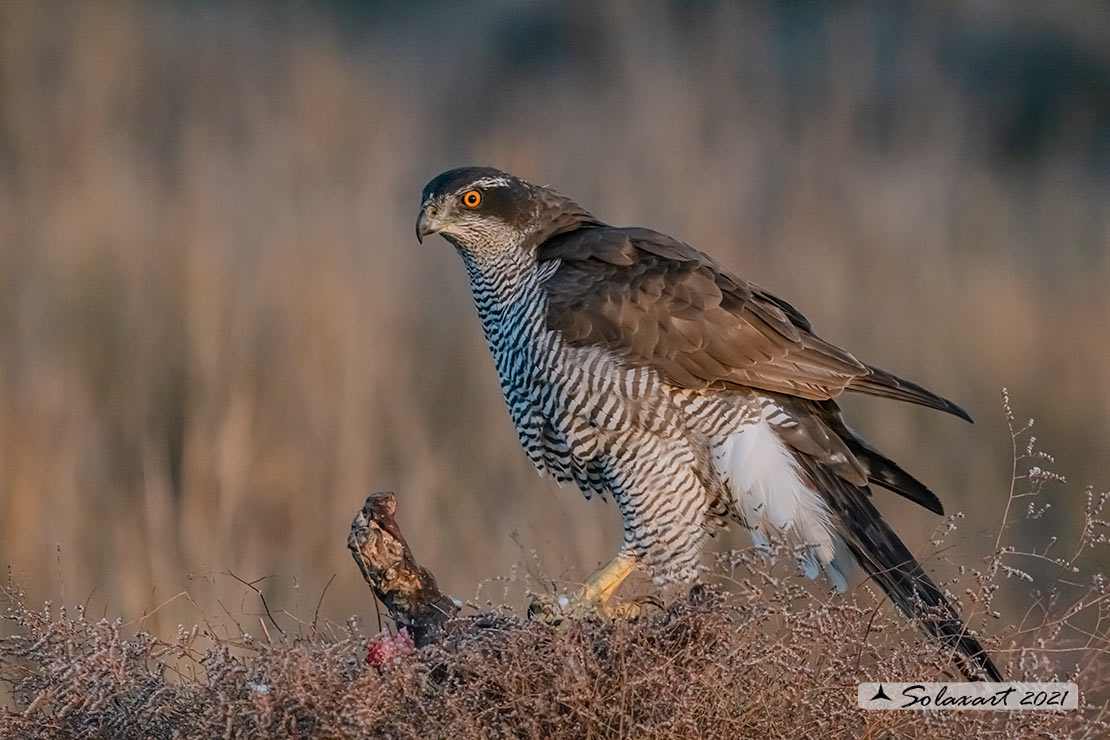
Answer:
(217, 331)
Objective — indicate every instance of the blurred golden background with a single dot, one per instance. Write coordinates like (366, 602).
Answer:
(218, 333)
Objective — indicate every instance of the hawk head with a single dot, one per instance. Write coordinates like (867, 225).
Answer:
(484, 211)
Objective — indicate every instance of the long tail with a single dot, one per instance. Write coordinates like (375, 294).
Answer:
(887, 560)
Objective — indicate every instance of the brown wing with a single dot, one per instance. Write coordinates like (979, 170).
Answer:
(664, 304)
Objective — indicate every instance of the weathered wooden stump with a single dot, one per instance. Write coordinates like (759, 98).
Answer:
(407, 590)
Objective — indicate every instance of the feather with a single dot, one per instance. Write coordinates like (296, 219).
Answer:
(709, 327)
(887, 560)
(775, 502)
(887, 385)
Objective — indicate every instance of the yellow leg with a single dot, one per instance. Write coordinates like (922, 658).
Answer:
(604, 582)
(594, 595)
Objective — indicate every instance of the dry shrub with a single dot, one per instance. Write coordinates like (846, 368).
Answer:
(724, 667)
(767, 656)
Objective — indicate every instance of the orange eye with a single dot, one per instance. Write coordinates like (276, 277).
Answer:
(471, 198)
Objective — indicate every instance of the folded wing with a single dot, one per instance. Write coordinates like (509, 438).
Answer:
(664, 304)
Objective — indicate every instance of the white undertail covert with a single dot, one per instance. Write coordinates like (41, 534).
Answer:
(775, 503)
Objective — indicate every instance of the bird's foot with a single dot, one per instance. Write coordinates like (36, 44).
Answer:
(594, 600)
(632, 609)
(553, 609)
(562, 609)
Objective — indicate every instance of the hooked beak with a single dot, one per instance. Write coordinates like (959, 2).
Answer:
(425, 225)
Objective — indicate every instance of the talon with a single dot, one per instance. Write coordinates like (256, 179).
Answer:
(552, 609)
(602, 584)
(539, 611)
(593, 599)
(622, 610)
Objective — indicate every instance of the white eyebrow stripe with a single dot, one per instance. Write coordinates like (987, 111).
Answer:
(492, 182)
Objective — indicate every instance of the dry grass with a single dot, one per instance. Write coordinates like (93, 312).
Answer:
(217, 332)
(725, 668)
(768, 658)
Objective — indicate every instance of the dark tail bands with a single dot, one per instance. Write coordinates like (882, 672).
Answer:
(887, 560)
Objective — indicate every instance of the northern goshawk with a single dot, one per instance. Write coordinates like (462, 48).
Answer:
(639, 368)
